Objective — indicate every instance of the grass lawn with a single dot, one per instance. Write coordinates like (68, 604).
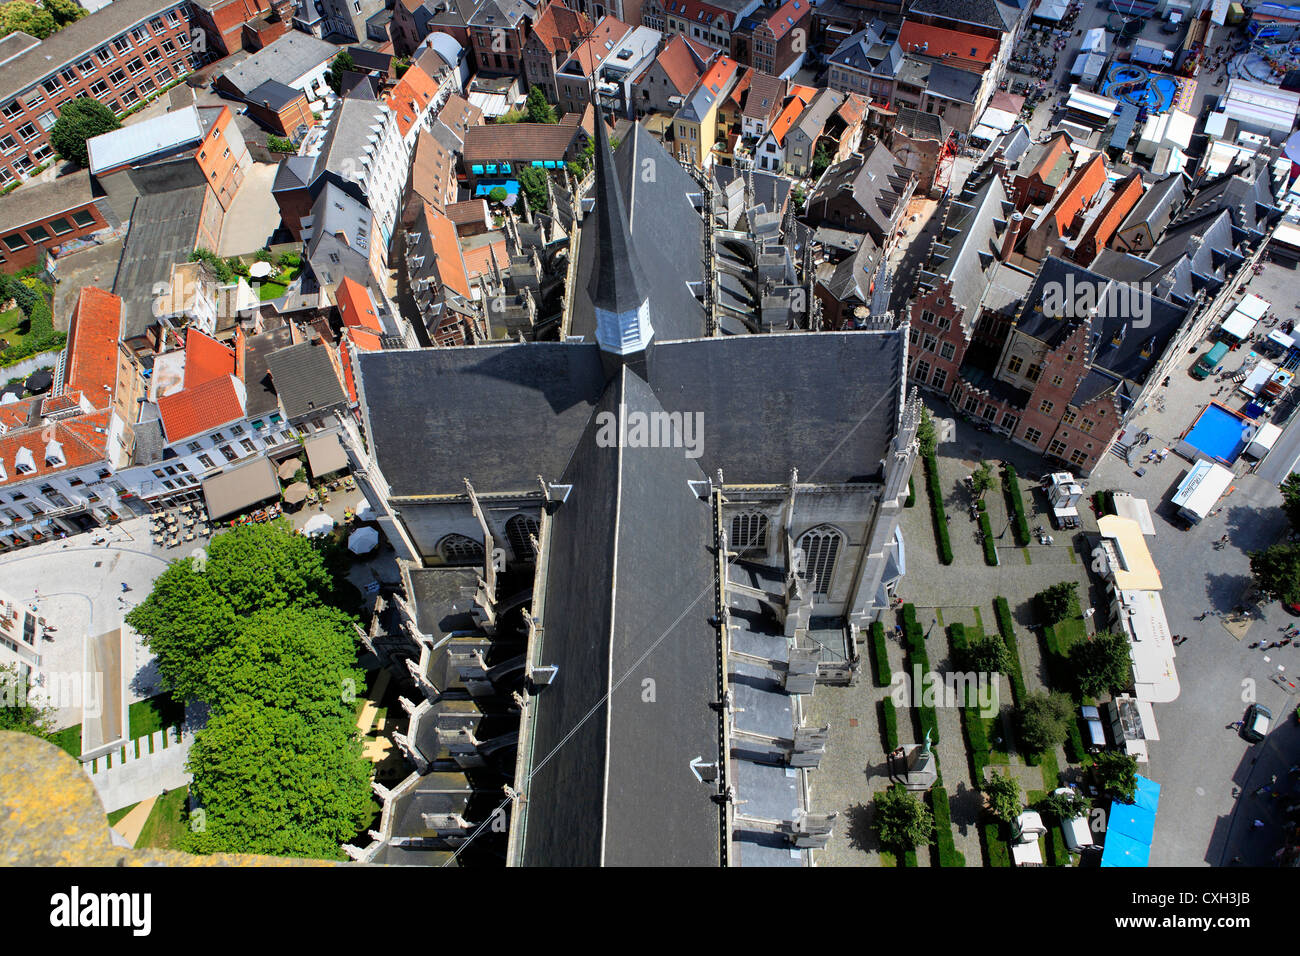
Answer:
(274, 288)
(147, 716)
(14, 326)
(68, 739)
(165, 827)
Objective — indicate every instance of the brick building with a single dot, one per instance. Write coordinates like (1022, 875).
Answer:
(43, 216)
(774, 41)
(121, 54)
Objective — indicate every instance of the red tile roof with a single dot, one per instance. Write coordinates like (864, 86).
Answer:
(77, 438)
(193, 411)
(678, 65)
(356, 308)
(604, 38)
(800, 97)
(560, 29)
(950, 46)
(411, 97)
(1085, 184)
(446, 249)
(790, 15)
(1121, 203)
(478, 261)
(206, 358)
(91, 353)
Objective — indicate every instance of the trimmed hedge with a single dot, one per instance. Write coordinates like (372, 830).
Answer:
(911, 493)
(909, 858)
(1008, 632)
(935, 488)
(1060, 678)
(948, 855)
(995, 846)
(889, 724)
(977, 739)
(914, 638)
(880, 654)
(30, 296)
(986, 536)
(1011, 486)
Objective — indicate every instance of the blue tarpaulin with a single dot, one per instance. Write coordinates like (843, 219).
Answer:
(1124, 851)
(1131, 827)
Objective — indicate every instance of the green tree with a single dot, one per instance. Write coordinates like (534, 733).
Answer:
(292, 658)
(535, 185)
(64, 11)
(184, 621)
(27, 17)
(1002, 796)
(821, 159)
(79, 120)
(1116, 773)
(1277, 572)
(272, 781)
(982, 478)
(902, 821)
(1057, 601)
(926, 435)
(538, 109)
(497, 194)
(1045, 720)
(1066, 805)
(17, 712)
(987, 655)
(341, 64)
(1101, 662)
(1291, 500)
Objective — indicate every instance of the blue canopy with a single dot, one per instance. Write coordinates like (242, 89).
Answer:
(1148, 794)
(1121, 850)
(1132, 821)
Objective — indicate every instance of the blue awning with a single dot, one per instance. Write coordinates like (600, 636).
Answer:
(1148, 794)
(476, 170)
(1121, 850)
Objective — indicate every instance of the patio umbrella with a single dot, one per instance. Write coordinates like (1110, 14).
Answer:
(318, 525)
(296, 493)
(363, 510)
(363, 540)
(40, 380)
(289, 468)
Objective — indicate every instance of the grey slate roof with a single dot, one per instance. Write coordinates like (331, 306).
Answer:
(285, 60)
(274, 95)
(966, 252)
(1158, 204)
(1117, 306)
(867, 52)
(261, 398)
(668, 234)
(164, 227)
(305, 380)
(987, 13)
(938, 79)
(342, 232)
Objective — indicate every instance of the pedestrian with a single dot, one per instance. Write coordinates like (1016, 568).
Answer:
(1236, 725)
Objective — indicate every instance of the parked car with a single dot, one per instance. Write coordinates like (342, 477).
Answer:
(1256, 724)
(1094, 731)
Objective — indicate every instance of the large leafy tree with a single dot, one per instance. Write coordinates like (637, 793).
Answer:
(253, 629)
(927, 435)
(27, 17)
(535, 187)
(1101, 663)
(298, 659)
(1065, 805)
(64, 11)
(79, 120)
(1045, 720)
(341, 64)
(1291, 500)
(902, 821)
(184, 620)
(1116, 773)
(982, 478)
(17, 712)
(538, 109)
(1002, 794)
(1057, 600)
(988, 655)
(265, 565)
(1277, 572)
(272, 781)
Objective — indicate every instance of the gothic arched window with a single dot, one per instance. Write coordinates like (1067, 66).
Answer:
(458, 549)
(820, 547)
(518, 529)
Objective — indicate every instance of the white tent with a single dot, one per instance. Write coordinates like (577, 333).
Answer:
(363, 511)
(363, 540)
(1198, 492)
(318, 525)
(1264, 440)
(1094, 41)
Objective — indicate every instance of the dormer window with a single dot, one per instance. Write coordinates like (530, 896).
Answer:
(24, 464)
(54, 457)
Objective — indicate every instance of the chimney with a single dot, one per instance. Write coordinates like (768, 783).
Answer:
(1014, 225)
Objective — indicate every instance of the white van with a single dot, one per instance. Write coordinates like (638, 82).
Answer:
(1077, 833)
